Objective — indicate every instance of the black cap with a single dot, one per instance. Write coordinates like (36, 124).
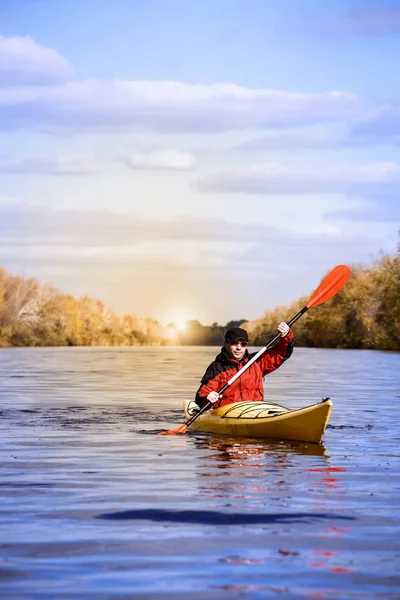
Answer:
(236, 334)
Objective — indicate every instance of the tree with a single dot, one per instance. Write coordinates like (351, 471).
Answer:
(386, 278)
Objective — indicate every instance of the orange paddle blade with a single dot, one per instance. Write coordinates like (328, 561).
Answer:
(180, 429)
(330, 285)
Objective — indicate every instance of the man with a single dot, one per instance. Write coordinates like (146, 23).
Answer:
(233, 356)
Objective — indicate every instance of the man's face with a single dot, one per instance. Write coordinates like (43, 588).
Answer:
(236, 348)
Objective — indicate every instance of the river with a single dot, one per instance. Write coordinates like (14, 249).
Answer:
(96, 505)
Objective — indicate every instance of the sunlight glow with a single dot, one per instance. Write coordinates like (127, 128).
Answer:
(179, 320)
(181, 325)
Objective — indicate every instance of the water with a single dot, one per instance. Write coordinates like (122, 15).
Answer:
(95, 505)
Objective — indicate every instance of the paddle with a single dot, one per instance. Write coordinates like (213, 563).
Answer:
(329, 286)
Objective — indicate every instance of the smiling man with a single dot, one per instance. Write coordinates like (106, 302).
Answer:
(233, 356)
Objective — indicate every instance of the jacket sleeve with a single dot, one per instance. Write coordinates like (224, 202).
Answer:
(212, 381)
(274, 358)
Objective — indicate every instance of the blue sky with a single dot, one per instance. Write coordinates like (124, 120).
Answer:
(205, 160)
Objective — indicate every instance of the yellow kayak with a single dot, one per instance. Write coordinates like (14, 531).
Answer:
(264, 420)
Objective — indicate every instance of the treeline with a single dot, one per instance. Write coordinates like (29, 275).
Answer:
(197, 334)
(32, 314)
(365, 313)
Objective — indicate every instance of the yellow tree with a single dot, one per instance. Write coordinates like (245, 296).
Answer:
(386, 277)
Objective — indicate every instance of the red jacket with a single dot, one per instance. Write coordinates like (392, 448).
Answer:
(249, 386)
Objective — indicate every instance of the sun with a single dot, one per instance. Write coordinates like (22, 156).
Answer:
(179, 321)
(180, 324)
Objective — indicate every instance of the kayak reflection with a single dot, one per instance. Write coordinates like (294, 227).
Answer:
(234, 469)
(234, 449)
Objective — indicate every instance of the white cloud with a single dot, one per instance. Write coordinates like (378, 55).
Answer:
(26, 225)
(61, 235)
(63, 165)
(174, 160)
(275, 178)
(166, 106)
(24, 62)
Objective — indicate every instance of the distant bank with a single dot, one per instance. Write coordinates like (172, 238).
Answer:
(365, 314)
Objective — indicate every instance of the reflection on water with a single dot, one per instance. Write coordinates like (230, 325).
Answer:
(94, 504)
(233, 448)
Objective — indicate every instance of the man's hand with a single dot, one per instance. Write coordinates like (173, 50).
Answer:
(213, 397)
(283, 329)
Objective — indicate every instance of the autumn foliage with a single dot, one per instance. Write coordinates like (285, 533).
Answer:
(39, 315)
(364, 314)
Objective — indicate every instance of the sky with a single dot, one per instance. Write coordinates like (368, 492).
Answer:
(197, 160)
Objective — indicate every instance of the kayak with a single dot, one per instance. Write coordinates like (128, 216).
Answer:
(263, 420)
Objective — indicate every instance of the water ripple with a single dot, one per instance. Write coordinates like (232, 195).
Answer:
(95, 504)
